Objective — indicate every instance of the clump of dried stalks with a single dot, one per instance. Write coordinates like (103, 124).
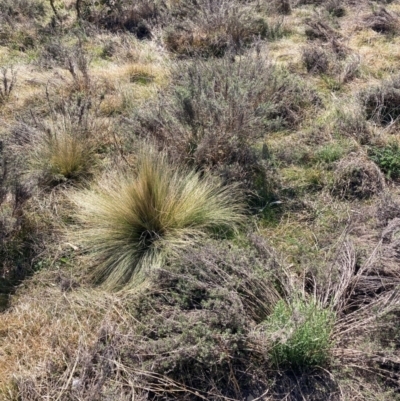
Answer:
(357, 178)
(198, 331)
(383, 21)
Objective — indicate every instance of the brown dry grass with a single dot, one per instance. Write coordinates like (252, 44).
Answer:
(333, 245)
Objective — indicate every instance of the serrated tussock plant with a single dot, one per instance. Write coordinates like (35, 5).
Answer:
(62, 156)
(133, 220)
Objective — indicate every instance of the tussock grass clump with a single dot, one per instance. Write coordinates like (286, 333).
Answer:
(132, 221)
(349, 121)
(362, 292)
(62, 156)
(357, 177)
(64, 146)
(55, 155)
(382, 103)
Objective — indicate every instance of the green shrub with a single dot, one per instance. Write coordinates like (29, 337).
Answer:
(388, 159)
(132, 221)
(301, 334)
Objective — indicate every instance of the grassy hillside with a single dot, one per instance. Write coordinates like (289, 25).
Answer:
(199, 200)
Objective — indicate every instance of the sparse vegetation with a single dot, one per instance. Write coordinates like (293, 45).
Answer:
(199, 200)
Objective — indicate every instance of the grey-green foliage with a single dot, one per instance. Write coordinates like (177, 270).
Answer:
(217, 112)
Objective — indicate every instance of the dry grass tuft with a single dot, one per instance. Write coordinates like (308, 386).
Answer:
(318, 28)
(316, 59)
(381, 103)
(62, 156)
(131, 221)
(383, 21)
(357, 178)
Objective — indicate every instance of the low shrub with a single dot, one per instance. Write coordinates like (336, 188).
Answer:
(218, 112)
(283, 7)
(334, 61)
(131, 221)
(213, 28)
(20, 10)
(119, 15)
(188, 331)
(17, 230)
(301, 332)
(387, 158)
(8, 81)
(388, 208)
(213, 324)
